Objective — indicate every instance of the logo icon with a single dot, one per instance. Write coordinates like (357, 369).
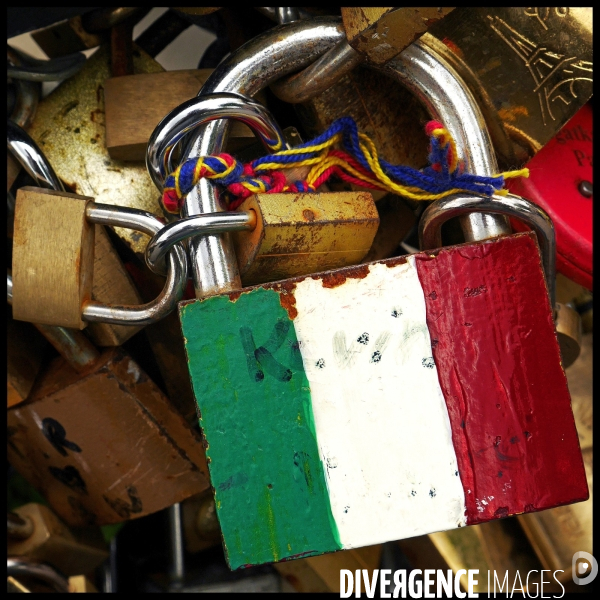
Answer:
(585, 568)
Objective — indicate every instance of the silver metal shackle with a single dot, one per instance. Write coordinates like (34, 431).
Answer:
(178, 231)
(36, 164)
(448, 99)
(54, 69)
(511, 205)
(201, 110)
(321, 75)
(271, 55)
(172, 292)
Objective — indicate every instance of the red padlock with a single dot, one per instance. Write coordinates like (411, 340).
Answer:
(560, 181)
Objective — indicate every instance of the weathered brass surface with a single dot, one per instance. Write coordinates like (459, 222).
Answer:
(386, 111)
(153, 95)
(530, 70)
(53, 542)
(25, 351)
(496, 547)
(461, 549)
(382, 33)
(106, 446)
(558, 533)
(111, 285)
(53, 257)
(69, 128)
(297, 234)
(166, 341)
(322, 573)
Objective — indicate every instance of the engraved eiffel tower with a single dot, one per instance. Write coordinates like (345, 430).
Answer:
(551, 71)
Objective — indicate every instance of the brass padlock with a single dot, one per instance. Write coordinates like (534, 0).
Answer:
(278, 235)
(51, 284)
(530, 77)
(55, 287)
(298, 234)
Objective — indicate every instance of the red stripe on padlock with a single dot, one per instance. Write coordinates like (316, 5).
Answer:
(556, 176)
(510, 447)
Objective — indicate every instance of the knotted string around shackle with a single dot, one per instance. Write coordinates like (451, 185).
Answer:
(356, 162)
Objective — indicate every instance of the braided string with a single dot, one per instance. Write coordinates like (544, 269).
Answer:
(355, 160)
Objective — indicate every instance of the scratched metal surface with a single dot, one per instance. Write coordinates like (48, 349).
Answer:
(104, 447)
(530, 69)
(69, 128)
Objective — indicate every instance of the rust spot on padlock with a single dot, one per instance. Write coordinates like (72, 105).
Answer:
(286, 297)
(233, 296)
(308, 215)
(334, 279)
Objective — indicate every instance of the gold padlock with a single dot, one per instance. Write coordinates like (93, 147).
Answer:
(52, 279)
(298, 234)
(112, 284)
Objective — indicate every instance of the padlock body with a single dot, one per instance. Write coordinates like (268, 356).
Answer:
(298, 234)
(105, 446)
(385, 401)
(53, 257)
